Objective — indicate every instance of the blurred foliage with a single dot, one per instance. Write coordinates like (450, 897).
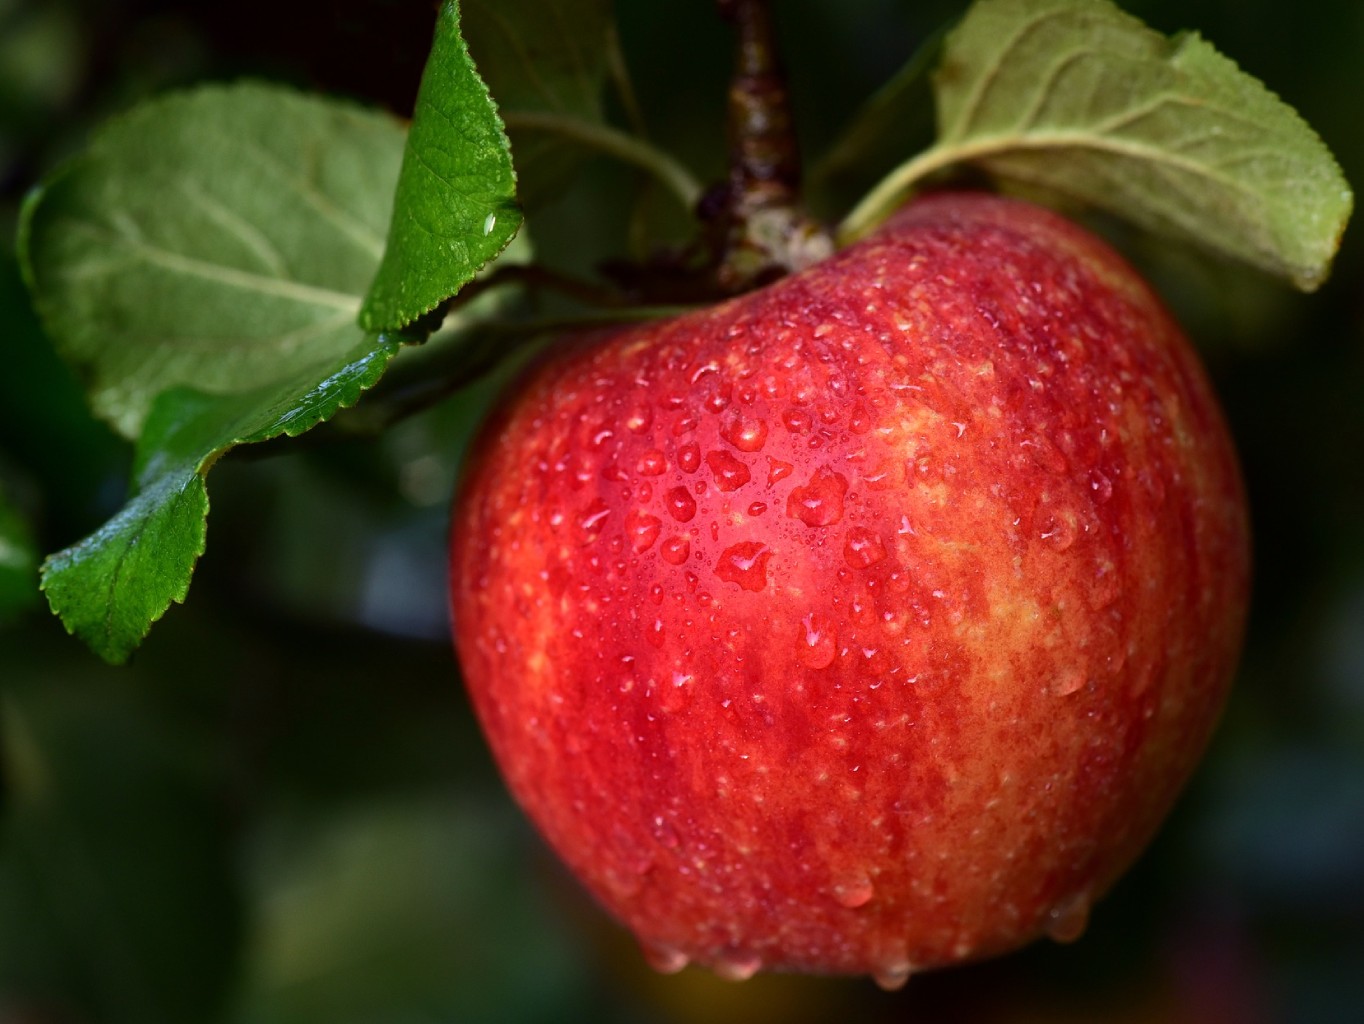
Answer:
(282, 810)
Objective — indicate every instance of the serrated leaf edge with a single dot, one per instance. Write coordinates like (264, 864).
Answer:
(101, 640)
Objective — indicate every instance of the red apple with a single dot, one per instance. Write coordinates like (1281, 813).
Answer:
(868, 622)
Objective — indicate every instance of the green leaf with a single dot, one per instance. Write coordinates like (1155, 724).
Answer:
(219, 238)
(110, 587)
(1077, 98)
(202, 265)
(455, 206)
(18, 562)
(546, 64)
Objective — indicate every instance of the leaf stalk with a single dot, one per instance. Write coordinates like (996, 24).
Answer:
(630, 148)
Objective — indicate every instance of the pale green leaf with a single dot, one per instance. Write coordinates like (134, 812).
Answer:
(219, 238)
(1077, 98)
(202, 265)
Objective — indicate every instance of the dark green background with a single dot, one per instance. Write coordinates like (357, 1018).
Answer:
(282, 810)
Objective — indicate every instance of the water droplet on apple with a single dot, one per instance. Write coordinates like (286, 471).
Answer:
(1106, 586)
(730, 473)
(664, 959)
(639, 861)
(642, 529)
(757, 508)
(718, 400)
(1155, 487)
(797, 421)
(1101, 486)
(651, 463)
(681, 504)
(639, 419)
(675, 695)
(689, 457)
(624, 885)
(819, 645)
(778, 470)
(820, 502)
(862, 548)
(745, 433)
(654, 633)
(893, 975)
(738, 966)
(1068, 920)
(855, 891)
(1058, 530)
(744, 563)
(1040, 451)
(860, 420)
(666, 834)
(882, 476)
(705, 369)
(593, 519)
(1069, 681)
(675, 550)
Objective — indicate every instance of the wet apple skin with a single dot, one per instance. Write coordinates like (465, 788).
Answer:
(869, 622)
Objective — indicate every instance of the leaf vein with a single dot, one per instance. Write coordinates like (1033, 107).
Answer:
(239, 228)
(349, 227)
(975, 101)
(231, 277)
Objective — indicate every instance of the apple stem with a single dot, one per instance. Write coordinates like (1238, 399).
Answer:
(764, 166)
(762, 230)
